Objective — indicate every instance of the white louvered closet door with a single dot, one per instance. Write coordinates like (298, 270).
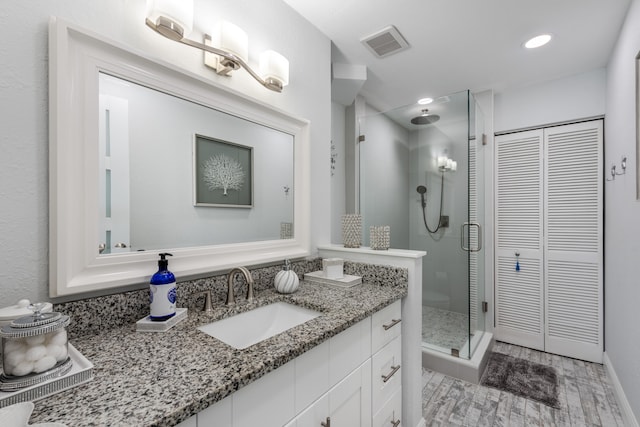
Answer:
(573, 240)
(519, 294)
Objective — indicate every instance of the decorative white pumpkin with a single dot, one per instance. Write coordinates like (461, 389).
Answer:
(286, 281)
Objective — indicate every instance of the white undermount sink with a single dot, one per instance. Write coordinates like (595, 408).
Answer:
(251, 327)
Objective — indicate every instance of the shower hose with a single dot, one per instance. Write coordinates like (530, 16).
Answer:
(424, 205)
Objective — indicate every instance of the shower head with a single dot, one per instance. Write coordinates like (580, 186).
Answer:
(421, 189)
(425, 118)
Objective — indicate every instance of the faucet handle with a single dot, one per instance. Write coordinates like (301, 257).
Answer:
(207, 300)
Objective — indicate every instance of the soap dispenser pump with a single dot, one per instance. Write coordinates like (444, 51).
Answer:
(162, 291)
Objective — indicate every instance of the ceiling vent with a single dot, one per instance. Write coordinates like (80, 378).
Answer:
(385, 42)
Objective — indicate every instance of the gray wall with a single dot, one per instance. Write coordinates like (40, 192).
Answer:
(24, 192)
(384, 177)
(338, 178)
(622, 210)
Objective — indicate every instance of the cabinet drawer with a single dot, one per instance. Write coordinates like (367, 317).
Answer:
(385, 326)
(386, 372)
(390, 414)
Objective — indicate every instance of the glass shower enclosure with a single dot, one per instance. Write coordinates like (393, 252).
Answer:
(422, 174)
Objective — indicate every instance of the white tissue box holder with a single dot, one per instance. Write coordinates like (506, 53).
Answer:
(333, 268)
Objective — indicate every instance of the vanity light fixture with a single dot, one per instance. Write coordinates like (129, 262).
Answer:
(173, 19)
(446, 164)
(537, 41)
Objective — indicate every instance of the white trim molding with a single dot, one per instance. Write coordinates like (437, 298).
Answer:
(628, 416)
(77, 56)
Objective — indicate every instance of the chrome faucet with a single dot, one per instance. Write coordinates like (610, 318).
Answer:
(247, 276)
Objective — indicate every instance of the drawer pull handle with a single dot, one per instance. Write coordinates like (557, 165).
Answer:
(395, 423)
(394, 369)
(326, 423)
(393, 323)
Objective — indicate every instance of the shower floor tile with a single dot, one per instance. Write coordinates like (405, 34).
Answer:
(444, 328)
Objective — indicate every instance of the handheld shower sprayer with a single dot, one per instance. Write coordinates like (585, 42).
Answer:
(422, 190)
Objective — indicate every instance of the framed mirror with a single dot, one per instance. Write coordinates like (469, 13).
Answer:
(148, 158)
(637, 60)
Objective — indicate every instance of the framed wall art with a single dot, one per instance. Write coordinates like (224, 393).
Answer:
(222, 173)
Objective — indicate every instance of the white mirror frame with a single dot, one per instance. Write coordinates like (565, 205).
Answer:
(76, 58)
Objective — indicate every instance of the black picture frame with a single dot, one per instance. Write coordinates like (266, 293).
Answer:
(222, 173)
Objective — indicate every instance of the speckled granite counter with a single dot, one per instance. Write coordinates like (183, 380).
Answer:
(160, 379)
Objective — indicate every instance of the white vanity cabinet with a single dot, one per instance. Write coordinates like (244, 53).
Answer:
(340, 379)
(346, 362)
(386, 366)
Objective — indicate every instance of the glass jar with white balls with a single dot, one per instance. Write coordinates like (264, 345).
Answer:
(34, 349)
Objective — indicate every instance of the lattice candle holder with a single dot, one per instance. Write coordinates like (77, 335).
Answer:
(352, 230)
(380, 237)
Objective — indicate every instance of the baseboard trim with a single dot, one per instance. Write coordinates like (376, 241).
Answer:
(625, 409)
(422, 423)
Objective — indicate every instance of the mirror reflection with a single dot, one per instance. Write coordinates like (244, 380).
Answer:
(177, 174)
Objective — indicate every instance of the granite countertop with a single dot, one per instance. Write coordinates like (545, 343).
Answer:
(160, 379)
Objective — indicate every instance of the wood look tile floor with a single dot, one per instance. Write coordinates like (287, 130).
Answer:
(585, 393)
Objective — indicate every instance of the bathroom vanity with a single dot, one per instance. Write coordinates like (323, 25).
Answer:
(342, 363)
(183, 374)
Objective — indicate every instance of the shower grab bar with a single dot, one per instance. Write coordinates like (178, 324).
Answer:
(468, 225)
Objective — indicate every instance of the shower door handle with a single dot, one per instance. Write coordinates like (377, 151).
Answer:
(468, 225)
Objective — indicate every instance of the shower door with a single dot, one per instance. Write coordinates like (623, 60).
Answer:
(426, 181)
(473, 232)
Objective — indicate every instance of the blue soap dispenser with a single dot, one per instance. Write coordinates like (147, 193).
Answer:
(162, 292)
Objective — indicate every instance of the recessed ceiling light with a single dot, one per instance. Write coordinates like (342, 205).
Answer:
(538, 41)
(425, 101)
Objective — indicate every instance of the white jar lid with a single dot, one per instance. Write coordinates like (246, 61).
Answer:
(20, 309)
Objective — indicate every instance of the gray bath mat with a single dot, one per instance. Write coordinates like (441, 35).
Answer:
(523, 378)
